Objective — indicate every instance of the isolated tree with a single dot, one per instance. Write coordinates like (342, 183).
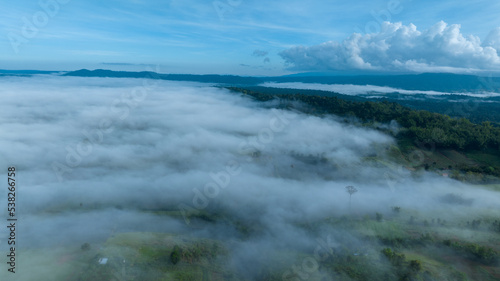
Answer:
(351, 190)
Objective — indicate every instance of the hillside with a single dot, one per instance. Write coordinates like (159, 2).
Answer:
(451, 146)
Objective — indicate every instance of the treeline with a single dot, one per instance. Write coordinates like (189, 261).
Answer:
(420, 125)
(483, 254)
(455, 106)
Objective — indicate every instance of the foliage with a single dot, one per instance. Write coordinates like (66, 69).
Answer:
(345, 264)
(351, 189)
(396, 209)
(175, 256)
(495, 226)
(421, 125)
(198, 250)
(415, 265)
(397, 259)
(475, 224)
(480, 253)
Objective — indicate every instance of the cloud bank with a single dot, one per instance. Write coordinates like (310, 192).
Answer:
(402, 48)
(126, 146)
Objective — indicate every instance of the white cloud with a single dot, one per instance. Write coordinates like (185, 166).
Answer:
(398, 47)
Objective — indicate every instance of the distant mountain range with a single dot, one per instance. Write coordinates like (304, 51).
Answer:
(475, 108)
(442, 82)
(209, 78)
(5, 72)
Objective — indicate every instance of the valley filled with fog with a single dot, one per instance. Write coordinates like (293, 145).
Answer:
(101, 157)
(374, 91)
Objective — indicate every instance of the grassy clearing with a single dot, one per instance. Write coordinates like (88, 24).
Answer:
(147, 256)
(48, 264)
(389, 229)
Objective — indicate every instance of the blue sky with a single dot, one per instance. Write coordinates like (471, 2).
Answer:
(250, 37)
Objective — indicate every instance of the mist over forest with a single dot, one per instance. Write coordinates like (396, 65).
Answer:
(100, 158)
(250, 140)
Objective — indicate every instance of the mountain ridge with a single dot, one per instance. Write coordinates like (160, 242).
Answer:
(442, 82)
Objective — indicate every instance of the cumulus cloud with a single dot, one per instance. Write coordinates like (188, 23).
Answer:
(398, 47)
(95, 154)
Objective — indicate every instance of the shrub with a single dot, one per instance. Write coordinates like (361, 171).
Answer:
(175, 256)
(415, 265)
(388, 253)
(397, 259)
(485, 255)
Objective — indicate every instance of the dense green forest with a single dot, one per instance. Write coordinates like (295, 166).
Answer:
(475, 109)
(422, 127)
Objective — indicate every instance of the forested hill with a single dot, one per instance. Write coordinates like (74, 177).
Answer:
(421, 125)
(417, 126)
(476, 109)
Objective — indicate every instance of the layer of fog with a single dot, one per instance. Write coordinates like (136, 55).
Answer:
(93, 154)
(354, 90)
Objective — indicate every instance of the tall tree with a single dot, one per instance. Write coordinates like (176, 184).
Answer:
(351, 190)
